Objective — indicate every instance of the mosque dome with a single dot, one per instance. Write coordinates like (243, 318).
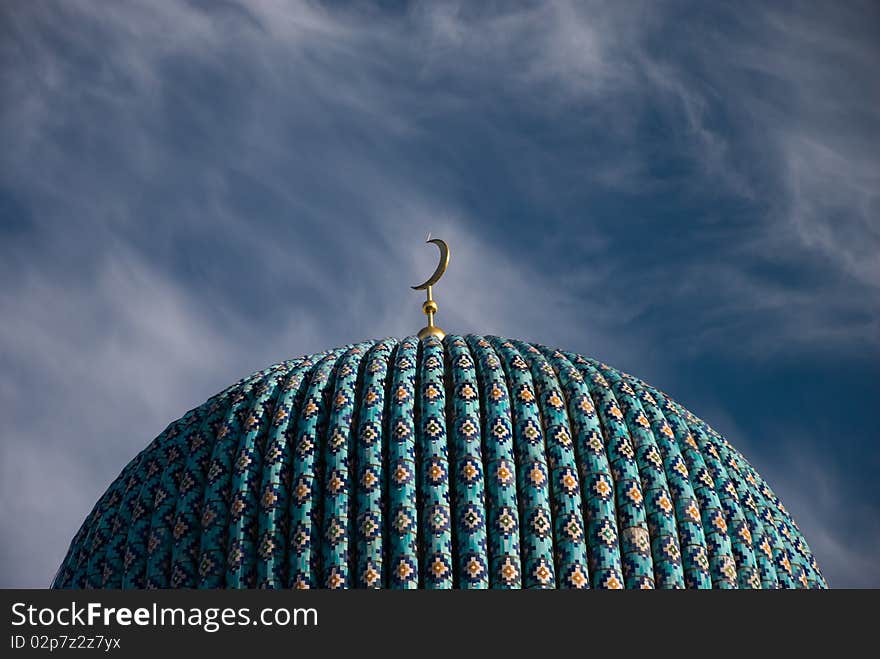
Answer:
(439, 462)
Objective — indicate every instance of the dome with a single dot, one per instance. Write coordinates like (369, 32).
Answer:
(461, 462)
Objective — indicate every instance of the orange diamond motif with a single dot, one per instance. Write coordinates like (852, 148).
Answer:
(404, 571)
(613, 583)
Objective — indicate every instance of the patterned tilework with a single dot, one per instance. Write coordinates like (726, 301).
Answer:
(475, 462)
(435, 522)
(370, 469)
(338, 481)
(632, 517)
(502, 509)
(402, 522)
(466, 467)
(692, 541)
(274, 493)
(665, 550)
(310, 440)
(532, 471)
(570, 394)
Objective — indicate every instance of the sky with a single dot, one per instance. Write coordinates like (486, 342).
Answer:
(191, 191)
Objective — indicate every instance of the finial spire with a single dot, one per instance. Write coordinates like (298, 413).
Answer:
(430, 307)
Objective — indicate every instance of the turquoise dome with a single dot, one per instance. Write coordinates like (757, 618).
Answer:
(470, 462)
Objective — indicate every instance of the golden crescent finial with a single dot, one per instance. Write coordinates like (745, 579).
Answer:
(430, 307)
(441, 267)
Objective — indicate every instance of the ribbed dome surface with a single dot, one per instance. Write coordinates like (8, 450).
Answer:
(469, 463)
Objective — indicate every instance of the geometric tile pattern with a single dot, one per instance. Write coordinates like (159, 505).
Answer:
(475, 462)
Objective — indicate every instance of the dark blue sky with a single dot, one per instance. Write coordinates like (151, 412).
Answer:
(190, 191)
